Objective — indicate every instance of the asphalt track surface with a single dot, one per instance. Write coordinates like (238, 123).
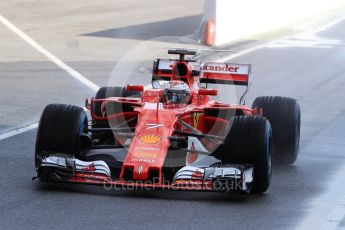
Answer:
(309, 68)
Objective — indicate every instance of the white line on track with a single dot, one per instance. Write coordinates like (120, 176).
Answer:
(241, 53)
(254, 48)
(49, 55)
(329, 25)
(72, 72)
(18, 131)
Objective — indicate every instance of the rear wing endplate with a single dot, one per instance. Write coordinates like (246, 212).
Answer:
(162, 69)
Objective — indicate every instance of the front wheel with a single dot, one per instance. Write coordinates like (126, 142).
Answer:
(59, 131)
(249, 141)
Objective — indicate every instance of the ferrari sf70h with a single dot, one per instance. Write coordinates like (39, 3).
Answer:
(173, 135)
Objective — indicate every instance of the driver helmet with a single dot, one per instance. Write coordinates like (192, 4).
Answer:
(176, 93)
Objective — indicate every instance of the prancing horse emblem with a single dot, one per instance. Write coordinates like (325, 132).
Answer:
(140, 169)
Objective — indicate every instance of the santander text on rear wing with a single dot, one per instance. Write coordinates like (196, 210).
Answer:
(225, 73)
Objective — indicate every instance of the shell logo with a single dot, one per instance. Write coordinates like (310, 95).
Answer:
(150, 139)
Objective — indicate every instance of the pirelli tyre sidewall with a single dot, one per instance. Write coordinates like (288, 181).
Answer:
(59, 131)
(284, 116)
(249, 142)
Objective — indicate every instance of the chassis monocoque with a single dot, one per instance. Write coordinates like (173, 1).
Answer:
(134, 140)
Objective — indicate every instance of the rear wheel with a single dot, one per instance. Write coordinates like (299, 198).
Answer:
(284, 116)
(249, 142)
(103, 93)
(107, 137)
(60, 130)
(106, 92)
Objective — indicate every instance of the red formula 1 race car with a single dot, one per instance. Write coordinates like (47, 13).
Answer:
(172, 135)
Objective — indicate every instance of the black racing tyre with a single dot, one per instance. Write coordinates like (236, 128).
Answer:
(284, 116)
(59, 131)
(249, 142)
(105, 92)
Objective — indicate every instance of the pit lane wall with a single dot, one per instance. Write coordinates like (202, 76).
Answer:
(227, 20)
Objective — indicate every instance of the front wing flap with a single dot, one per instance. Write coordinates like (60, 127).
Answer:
(226, 178)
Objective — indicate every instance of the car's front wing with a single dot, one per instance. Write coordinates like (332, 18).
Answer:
(224, 178)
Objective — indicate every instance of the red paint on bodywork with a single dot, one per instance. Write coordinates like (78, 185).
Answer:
(138, 151)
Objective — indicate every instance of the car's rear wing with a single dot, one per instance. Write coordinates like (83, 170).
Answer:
(212, 72)
(225, 73)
